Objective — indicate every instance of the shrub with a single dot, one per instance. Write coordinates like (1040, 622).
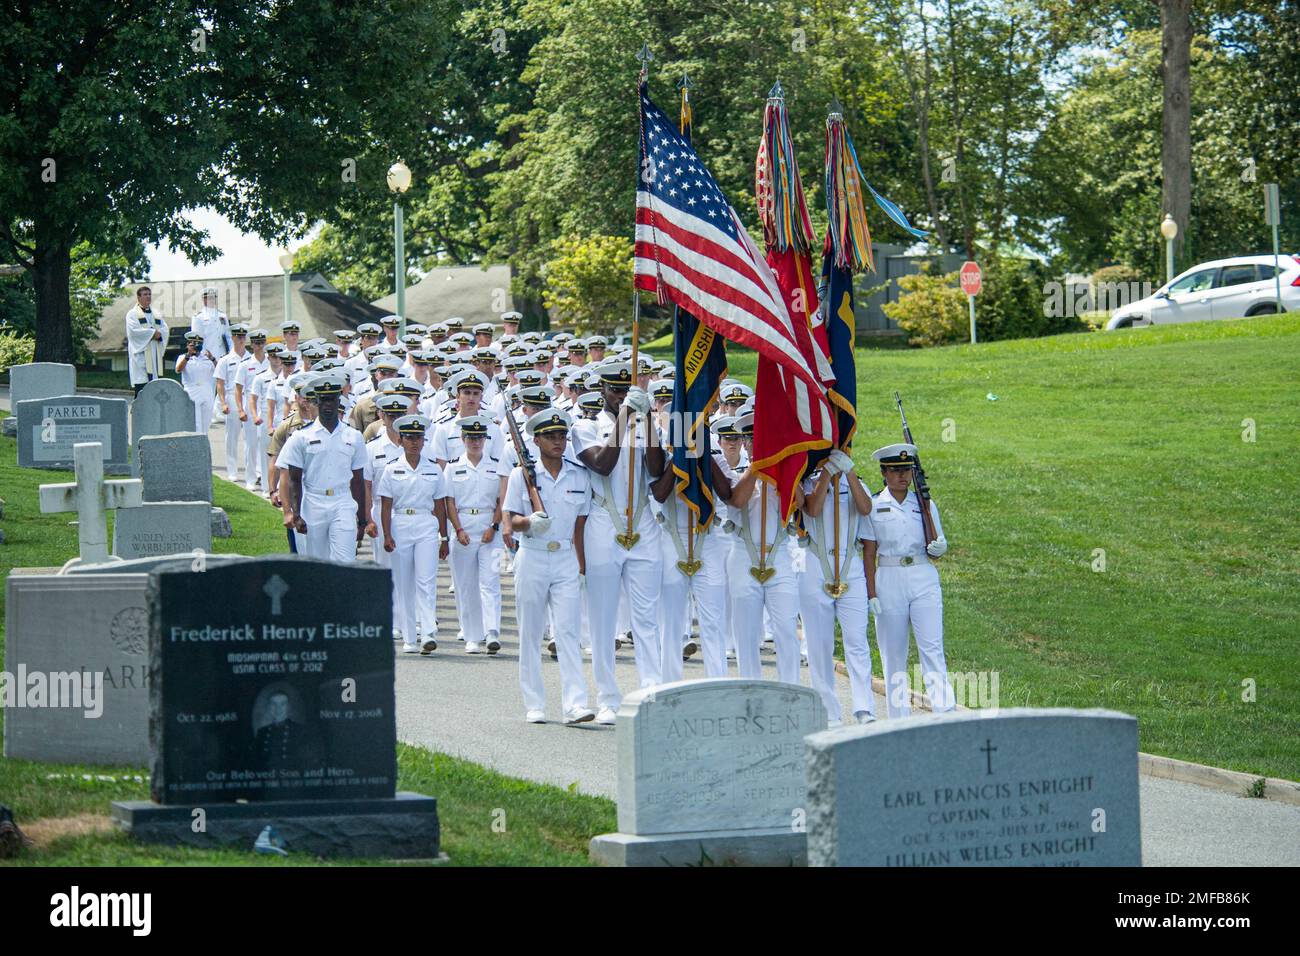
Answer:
(589, 283)
(1012, 304)
(931, 309)
(15, 350)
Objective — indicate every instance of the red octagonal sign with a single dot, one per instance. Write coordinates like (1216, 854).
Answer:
(972, 279)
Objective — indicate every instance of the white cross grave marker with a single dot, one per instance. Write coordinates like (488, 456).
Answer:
(90, 496)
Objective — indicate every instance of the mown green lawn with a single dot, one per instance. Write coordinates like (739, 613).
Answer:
(1044, 453)
(487, 819)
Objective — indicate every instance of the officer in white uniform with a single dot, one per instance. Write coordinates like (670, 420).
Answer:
(381, 450)
(824, 596)
(476, 485)
(698, 571)
(326, 461)
(254, 362)
(227, 365)
(212, 325)
(146, 340)
(415, 533)
(761, 573)
(549, 566)
(467, 387)
(903, 584)
(621, 557)
(198, 371)
(730, 455)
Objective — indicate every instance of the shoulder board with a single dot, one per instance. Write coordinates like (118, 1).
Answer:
(493, 458)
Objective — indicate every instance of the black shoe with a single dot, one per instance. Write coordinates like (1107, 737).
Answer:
(12, 840)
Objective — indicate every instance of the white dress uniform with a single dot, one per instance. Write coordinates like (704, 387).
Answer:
(327, 460)
(612, 567)
(227, 366)
(245, 373)
(708, 587)
(546, 576)
(476, 567)
(907, 584)
(212, 324)
(380, 451)
(414, 492)
(144, 354)
(447, 444)
(199, 381)
(820, 610)
(778, 595)
(264, 398)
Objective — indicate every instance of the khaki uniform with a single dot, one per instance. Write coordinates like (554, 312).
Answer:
(364, 413)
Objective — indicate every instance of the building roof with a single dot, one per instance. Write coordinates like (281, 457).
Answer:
(257, 301)
(475, 293)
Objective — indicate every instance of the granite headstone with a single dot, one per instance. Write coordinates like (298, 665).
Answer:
(272, 682)
(176, 467)
(37, 380)
(164, 527)
(161, 408)
(48, 428)
(712, 770)
(83, 624)
(1022, 787)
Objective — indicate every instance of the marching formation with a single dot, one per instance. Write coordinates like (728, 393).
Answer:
(549, 458)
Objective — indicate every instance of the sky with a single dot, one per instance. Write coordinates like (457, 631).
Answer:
(241, 254)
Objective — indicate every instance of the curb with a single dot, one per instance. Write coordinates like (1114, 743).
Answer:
(1162, 768)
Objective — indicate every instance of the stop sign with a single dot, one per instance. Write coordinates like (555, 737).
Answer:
(972, 280)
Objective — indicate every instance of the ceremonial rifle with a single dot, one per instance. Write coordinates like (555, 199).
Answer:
(525, 461)
(918, 478)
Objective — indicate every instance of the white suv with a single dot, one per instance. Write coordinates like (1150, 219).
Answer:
(1223, 289)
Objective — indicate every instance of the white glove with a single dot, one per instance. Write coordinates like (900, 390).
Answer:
(538, 523)
(637, 400)
(937, 548)
(875, 605)
(839, 463)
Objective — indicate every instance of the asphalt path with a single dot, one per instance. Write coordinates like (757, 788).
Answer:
(470, 706)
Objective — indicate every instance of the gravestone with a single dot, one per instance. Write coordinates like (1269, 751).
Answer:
(161, 408)
(1022, 787)
(90, 496)
(90, 619)
(48, 428)
(178, 467)
(272, 684)
(712, 770)
(37, 380)
(94, 624)
(164, 527)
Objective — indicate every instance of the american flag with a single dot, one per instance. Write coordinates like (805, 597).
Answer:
(693, 250)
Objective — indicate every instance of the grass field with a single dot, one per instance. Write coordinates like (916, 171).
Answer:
(486, 818)
(1126, 446)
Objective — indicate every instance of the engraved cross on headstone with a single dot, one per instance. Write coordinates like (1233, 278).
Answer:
(90, 496)
(989, 750)
(275, 589)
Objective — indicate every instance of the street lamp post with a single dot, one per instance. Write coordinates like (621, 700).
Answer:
(399, 181)
(1169, 229)
(286, 263)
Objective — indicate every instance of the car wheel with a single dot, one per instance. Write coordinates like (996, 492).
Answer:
(1124, 323)
(1267, 309)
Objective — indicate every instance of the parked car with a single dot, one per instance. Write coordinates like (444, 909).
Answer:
(1223, 289)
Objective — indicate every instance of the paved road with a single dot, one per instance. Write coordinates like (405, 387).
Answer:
(470, 706)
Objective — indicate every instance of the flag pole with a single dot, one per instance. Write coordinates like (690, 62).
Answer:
(692, 517)
(632, 421)
(835, 490)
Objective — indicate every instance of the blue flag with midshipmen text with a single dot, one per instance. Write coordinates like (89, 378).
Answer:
(700, 356)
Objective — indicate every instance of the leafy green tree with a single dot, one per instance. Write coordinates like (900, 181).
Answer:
(589, 283)
(114, 120)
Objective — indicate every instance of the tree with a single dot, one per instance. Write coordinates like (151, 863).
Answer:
(589, 283)
(118, 118)
(1176, 117)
